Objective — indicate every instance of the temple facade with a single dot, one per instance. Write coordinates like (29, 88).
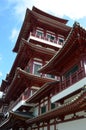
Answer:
(45, 88)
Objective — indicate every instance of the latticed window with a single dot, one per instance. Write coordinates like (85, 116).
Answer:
(39, 33)
(60, 41)
(50, 37)
(36, 67)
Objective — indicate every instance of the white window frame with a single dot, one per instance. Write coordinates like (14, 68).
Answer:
(37, 30)
(36, 63)
(61, 39)
(50, 35)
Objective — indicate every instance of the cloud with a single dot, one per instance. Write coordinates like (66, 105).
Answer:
(19, 7)
(74, 9)
(14, 34)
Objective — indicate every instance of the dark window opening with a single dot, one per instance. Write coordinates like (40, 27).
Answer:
(52, 105)
(60, 41)
(71, 71)
(43, 109)
(39, 33)
(50, 37)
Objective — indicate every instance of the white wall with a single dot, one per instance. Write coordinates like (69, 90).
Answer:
(52, 127)
(68, 91)
(45, 128)
(35, 111)
(73, 125)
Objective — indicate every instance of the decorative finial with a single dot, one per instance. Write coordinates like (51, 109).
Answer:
(76, 23)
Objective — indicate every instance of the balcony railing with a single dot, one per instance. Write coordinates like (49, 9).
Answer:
(67, 82)
(22, 97)
(43, 38)
(78, 75)
(15, 103)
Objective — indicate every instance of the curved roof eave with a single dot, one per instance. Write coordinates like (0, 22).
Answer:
(75, 105)
(21, 74)
(49, 15)
(26, 24)
(73, 35)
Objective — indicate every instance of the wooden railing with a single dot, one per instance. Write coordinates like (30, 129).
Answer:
(11, 106)
(78, 75)
(67, 82)
(23, 96)
(47, 39)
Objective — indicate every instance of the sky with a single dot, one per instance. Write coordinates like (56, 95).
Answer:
(12, 14)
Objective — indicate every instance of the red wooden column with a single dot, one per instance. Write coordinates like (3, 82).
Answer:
(49, 102)
(39, 109)
(43, 126)
(84, 66)
(38, 126)
(25, 128)
(55, 124)
(31, 65)
(44, 34)
(60, 86)
(48, 125)
(34, 30)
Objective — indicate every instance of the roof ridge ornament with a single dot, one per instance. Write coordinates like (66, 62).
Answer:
(76, 24)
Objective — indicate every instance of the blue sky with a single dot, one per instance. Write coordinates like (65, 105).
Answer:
(12, 13)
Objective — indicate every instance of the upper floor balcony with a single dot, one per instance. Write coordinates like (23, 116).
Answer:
(20, 102)
(48, 41)
(73, 78)
(71, 84)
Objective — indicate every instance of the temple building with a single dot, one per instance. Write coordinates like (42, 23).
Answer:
(46, 86)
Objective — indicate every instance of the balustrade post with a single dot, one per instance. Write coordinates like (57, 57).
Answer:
(77, 76)
(60, 84)
(65, 83)
(39, 108)
(70, 79)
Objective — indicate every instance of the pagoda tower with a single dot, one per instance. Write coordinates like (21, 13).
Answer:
(25, 88)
